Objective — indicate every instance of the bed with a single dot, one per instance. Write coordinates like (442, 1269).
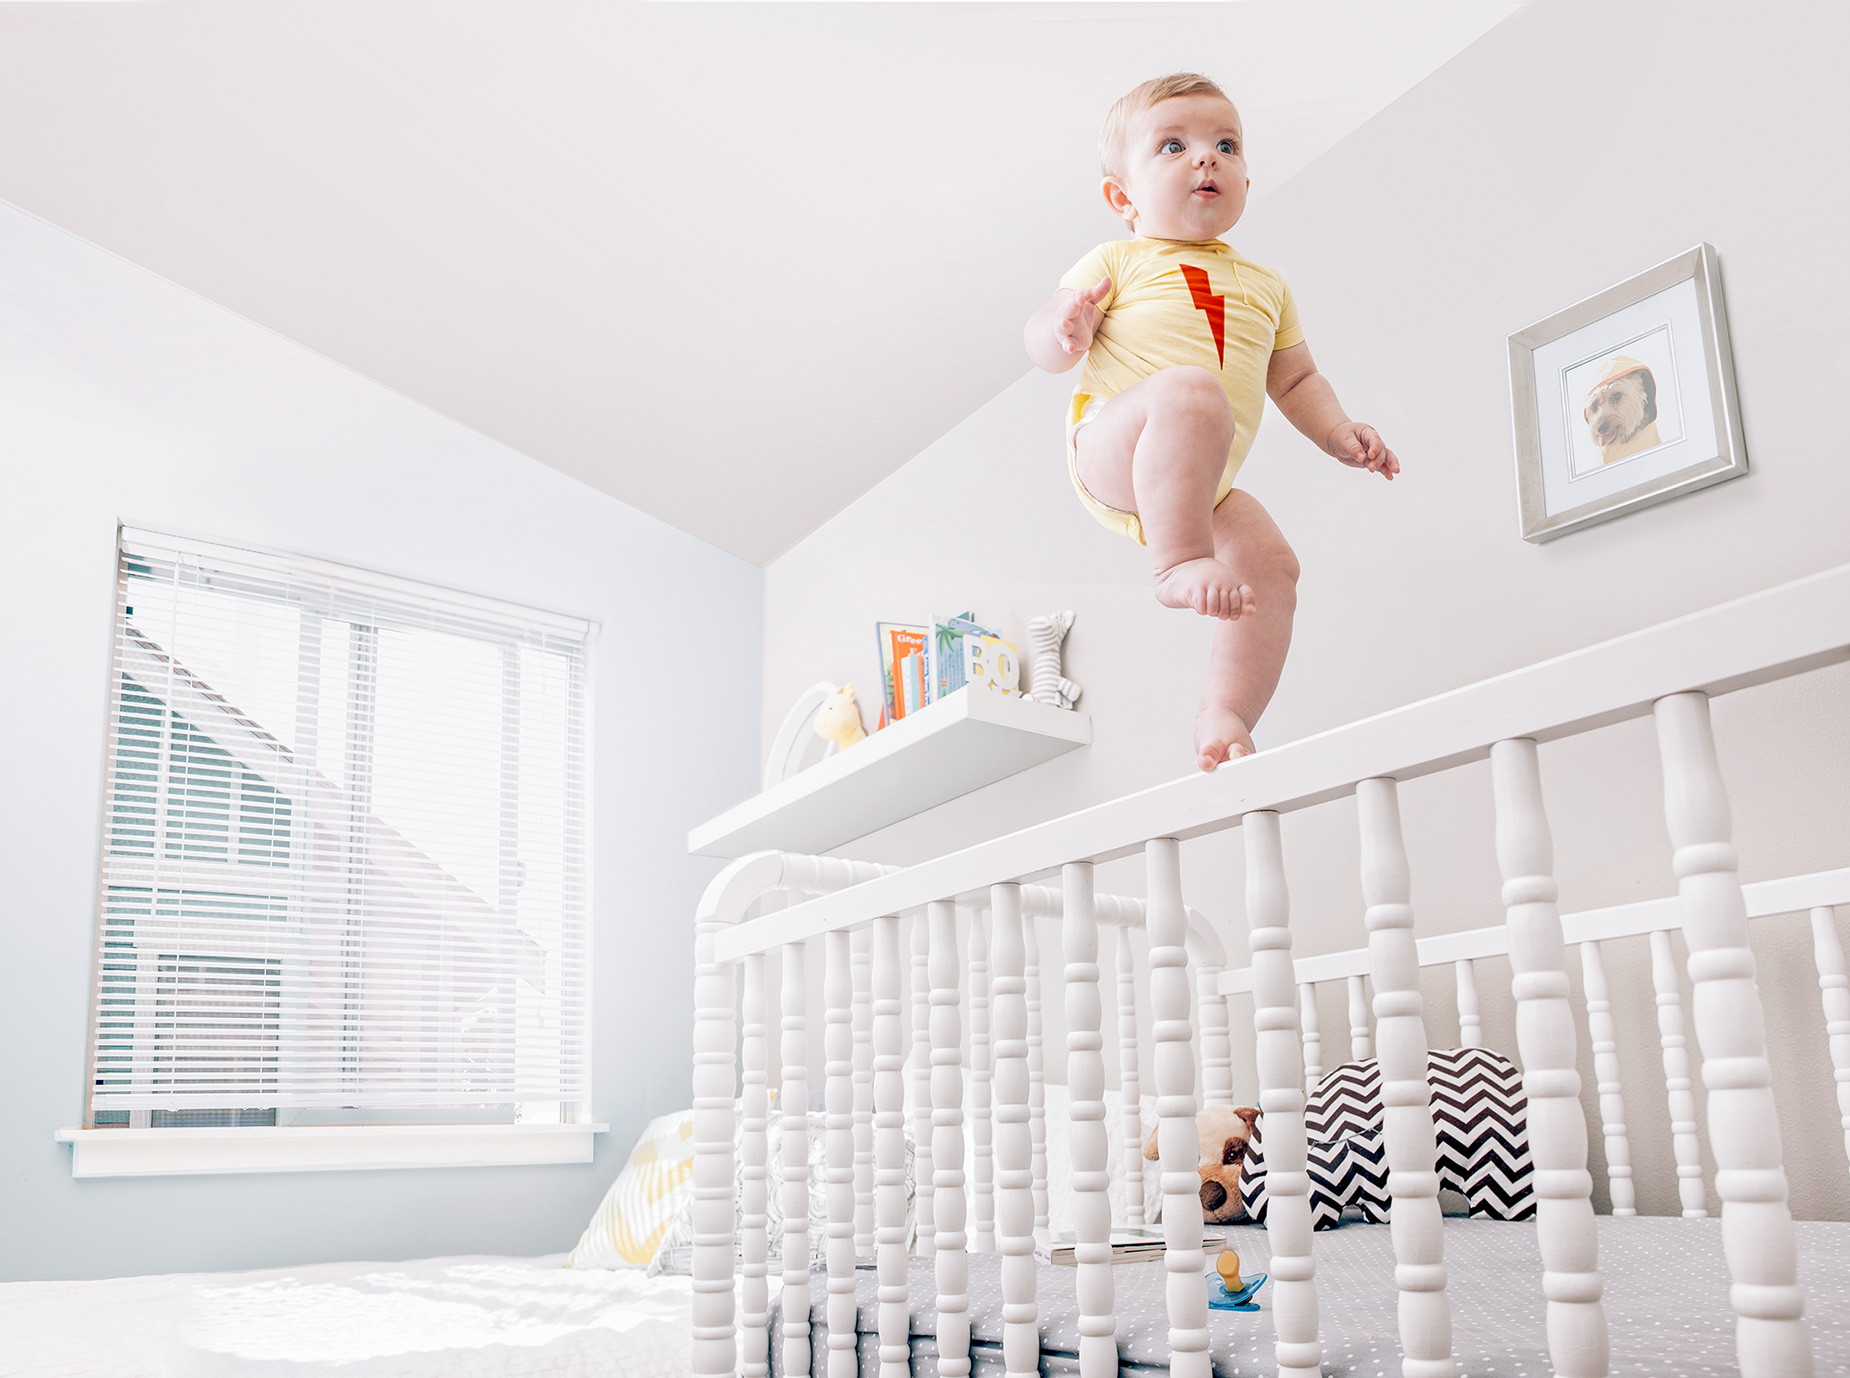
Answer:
(426, 1318)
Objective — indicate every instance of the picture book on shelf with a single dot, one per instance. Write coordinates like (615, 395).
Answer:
(902, 667)
(963, 651)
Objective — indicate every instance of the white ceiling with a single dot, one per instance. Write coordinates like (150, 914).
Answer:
(732, 264)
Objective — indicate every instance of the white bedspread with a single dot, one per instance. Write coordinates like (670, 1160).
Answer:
(454, 1317)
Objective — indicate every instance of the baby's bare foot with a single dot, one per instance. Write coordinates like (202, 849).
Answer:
(1220, 735)
(1207, 586)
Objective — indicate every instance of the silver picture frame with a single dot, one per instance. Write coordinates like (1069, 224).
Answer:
(1558, 488)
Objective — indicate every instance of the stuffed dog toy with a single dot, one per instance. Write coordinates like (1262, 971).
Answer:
(1621, 410)
(1225, 1131)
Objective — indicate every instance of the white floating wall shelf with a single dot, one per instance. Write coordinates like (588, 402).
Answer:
(964, 741)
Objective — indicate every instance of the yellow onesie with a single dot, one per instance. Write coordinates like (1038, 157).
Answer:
(1177, 302)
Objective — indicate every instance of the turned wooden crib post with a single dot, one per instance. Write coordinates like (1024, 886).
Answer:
(1021, 1334)
(890, 1156)
(1085, 1080)
(1400, 1034)
(714, 1335)
(1361, 1044)
(1130, 1091)
(982, 1135)
(1565, 1229)
(1470, 1026)
(1606, 1073)
(1313, 1037)
(1828, 953)
(922, 1176)
(1216, 1046)
(754, 1305)
(1750, 1177)
(1037, 1089)
(793, 1117)
(1178, 1139)
(947, 1145)
(861, 948)
(1278, 1053)
(838, 1148)
(1683, 1141)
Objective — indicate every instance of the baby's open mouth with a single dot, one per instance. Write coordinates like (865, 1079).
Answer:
(1209, 188)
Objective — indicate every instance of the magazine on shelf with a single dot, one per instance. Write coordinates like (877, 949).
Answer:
(1129, 1244)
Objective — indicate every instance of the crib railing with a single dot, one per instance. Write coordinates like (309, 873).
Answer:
(1591, 932)
(1669, 671)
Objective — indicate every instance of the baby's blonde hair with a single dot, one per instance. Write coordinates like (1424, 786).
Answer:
(1142, 97)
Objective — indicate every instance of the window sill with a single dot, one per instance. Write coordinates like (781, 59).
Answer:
(323, 1148)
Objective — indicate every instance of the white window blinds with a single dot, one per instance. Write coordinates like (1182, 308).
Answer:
(344, 853)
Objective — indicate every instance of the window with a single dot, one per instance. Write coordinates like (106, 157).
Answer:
(344, 857)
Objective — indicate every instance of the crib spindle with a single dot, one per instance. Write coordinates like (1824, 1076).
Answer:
(1037, 1086)
(1565, 1229)
(1281, 1096)
(1683, 1141)
(754, 1317)
(922, 1175)
(1750, 1177)
(1828, 952)
(1606, 1072)
(1130, 1090)
(890, 1156)
(793, 1116)
(861, 947)
(1400, 1033)
(1216, 1045)
(1313, 1037)
(1178, 1139)
(947, 1146)
(1085, 1081)
(1470, 1026)
(838, 1148)
(1021, 1334)
(714, 1336)
(983, 1164)
(1361, 1045)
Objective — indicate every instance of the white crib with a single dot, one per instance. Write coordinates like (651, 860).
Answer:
(851, 912)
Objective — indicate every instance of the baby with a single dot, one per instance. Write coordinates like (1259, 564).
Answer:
(1183, 340)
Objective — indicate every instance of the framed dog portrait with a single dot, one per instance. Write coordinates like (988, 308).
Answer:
(1625, 399)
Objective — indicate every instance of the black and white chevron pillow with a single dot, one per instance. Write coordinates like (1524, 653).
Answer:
(1480, 1117)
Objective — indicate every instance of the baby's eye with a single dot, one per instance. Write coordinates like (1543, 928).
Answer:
(1229, 147)
(1171, 146)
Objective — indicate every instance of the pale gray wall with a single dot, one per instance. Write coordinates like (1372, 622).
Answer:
(123, 396)
(1573, 146)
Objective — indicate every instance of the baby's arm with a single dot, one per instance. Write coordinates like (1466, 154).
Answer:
(1061, 331)
(1309, 403)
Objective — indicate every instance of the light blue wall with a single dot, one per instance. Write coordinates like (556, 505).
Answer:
(124, 397)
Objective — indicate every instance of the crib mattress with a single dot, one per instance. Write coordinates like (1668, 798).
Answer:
(1666, 1305)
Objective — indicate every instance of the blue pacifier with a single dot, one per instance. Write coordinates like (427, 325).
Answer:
(1230, 1291)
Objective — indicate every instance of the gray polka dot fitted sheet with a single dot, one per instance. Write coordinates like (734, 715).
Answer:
(1666, 1305)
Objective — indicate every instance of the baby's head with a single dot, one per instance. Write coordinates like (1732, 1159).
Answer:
(1174, 159)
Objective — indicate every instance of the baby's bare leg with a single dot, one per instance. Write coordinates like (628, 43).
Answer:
(1248, 655)
(1159, 450)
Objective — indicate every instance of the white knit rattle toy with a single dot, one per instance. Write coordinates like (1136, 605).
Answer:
(1046, 683)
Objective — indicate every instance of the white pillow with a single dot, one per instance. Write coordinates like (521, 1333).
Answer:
(636, 1212)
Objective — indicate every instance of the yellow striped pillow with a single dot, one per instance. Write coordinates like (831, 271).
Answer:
(641, 1204)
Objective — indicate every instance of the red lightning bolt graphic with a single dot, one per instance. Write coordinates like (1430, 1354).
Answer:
(1215, 307)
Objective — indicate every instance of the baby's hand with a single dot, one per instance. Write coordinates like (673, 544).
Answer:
(1360, 447)
(1079, 318)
